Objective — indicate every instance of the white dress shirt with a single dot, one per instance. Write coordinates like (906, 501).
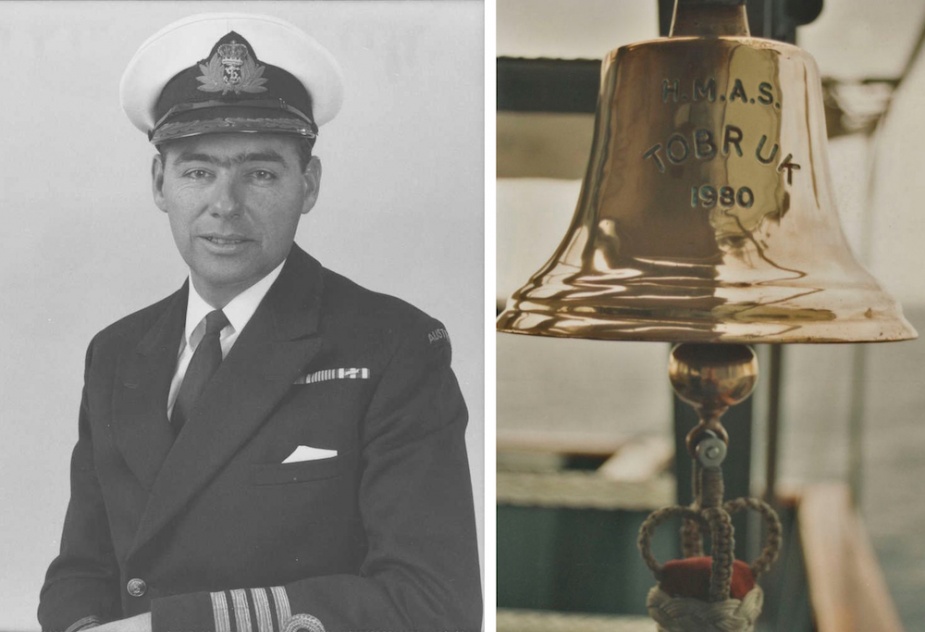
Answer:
(238, 312)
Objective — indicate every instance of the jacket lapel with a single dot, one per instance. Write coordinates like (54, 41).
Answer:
(259, 370)
(140, 425)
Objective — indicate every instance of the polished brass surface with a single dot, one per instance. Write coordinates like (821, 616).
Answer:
(707, 211)
(711, 378)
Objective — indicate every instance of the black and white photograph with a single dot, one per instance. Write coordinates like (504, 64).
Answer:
(243, 316)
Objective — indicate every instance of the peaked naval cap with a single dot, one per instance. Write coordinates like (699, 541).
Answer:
(234, 88)
(231, 91)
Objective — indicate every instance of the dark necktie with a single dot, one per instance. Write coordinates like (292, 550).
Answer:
(203, 364)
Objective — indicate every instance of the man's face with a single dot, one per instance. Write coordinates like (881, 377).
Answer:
(234, 202)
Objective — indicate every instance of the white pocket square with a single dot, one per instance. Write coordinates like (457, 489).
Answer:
(308, 453)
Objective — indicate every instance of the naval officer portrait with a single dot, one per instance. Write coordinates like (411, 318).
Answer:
(272, 446)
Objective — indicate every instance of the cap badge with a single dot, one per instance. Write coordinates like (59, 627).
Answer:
(232, 69)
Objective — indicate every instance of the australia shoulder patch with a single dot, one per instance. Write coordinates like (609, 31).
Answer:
(438, 335)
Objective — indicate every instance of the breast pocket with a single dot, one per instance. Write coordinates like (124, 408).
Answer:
(304, 471)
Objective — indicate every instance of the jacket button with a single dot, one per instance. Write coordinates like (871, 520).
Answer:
(136, 587)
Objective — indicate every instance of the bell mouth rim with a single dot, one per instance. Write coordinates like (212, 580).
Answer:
(627, 327)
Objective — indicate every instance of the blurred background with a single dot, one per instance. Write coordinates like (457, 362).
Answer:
(848, 414)
(400, 211)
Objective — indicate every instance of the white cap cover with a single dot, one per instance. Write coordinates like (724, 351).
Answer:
(182, 45)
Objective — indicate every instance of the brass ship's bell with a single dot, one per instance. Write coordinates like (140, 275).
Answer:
(707, 211)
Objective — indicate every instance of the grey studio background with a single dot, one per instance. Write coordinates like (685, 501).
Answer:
(400, 211)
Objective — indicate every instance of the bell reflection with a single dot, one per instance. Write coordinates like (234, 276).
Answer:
(707, 211)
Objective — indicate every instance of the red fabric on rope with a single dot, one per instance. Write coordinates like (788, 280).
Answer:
(690, 577)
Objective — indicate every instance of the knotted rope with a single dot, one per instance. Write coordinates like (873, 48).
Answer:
(709, 514)
(678, 614)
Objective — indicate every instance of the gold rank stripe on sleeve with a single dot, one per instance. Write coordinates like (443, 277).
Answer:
(281, 600)
(253, 610)
(242, 615)
(264, 618)
(220, 611)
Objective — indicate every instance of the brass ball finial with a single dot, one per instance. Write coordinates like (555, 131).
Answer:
(711, 378)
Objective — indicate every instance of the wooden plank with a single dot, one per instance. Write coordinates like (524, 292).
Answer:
(510, 620)
(534, 470)
(574, 443)
(582, 490)
(639, 460)
(847, 588)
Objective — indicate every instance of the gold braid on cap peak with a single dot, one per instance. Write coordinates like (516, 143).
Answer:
(182, 129)
(162, 131)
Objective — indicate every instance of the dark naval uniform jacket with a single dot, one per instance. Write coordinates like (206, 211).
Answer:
(210, 530)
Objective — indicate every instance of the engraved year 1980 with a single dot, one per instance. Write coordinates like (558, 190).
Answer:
(708, 196)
